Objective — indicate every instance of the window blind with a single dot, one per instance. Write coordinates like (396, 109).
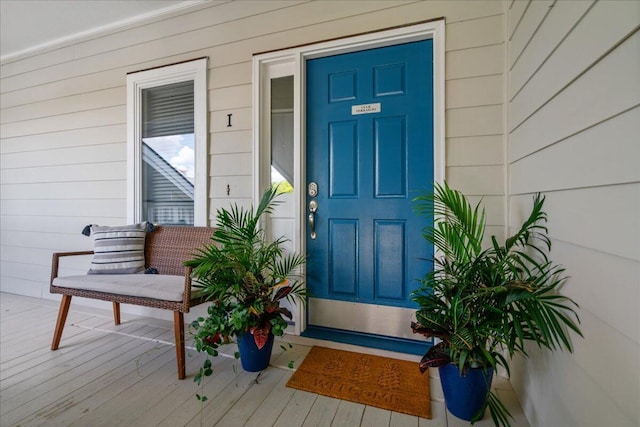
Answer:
(167, 110)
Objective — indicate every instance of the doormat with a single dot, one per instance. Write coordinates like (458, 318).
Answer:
(396, 385)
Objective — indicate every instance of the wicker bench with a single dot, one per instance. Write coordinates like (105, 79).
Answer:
(166, 248)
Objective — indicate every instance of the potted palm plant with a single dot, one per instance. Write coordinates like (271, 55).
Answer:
(246, 277)
(484, 304)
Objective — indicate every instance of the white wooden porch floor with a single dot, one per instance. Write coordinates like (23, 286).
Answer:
(107, 375)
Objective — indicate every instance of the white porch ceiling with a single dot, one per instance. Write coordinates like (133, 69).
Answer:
(30, 25)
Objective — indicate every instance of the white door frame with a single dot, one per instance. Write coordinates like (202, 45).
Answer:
(267, 66)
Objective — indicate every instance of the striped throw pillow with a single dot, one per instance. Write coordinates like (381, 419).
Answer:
(118, 250)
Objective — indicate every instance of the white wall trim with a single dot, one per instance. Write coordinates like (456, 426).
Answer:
(193, 70)
(506, 135)
(296, 57)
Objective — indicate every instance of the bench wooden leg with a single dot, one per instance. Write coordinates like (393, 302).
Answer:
(116, 312)
(62, 318)
(178, 326)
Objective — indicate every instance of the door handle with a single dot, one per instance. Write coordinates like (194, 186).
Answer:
(313, 207)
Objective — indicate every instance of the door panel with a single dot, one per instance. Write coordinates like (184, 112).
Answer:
(390, 242)
(369, 149)
(390, 172)
(343, 257)
(343, 159)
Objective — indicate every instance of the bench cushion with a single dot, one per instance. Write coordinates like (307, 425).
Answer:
(156, 286)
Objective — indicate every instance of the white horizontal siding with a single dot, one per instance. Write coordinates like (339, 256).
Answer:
(530, 23)
(552, 29)
(13, 163)
(236, 186)
(238, 141)
(613, 158)
(611, 85)
(475, 151)
(28, 272)
(615, 388)
(572, 396)
(48, 176)
(474, 91)
(38, 239)
(56, 123)
(482, 61)
(38, 256)
(230, 97)
(19, 286)
(86, 101)
(64, 88)
(516, 13)
(230, 75)
(493, 206)
(574, 119)
(592, 282)
(574, 211)
(485, 31)
(62, 191)
(240, 120)
(581, 49)
(477, 180)
(68, 138)
(232, 164)
(85, 208)
(474, 121)
(474, 116)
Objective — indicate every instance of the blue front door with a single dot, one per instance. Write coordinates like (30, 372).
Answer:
(369, 150)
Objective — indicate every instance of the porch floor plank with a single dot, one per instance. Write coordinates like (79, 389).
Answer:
(105, 374)
(129, 395)
(403, 420)
(27, 360)
(322, 412)
(241, 411)
(349, 414)
(177, 393)
(218, 407)
(75, 362)
(227, 376)
(84, 401)
(271, 407)
(296, 410)
(41, 391)
(376, 417)
(438, 416)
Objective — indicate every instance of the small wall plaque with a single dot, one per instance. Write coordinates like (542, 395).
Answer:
(365, 109)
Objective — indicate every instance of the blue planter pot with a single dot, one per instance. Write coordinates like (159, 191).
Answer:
(465, 394)
(252, 358)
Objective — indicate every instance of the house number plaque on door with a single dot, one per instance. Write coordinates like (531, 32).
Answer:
(365, 109)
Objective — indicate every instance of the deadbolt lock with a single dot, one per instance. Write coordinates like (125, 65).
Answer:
(313, 189)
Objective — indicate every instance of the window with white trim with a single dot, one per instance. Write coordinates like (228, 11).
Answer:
(167, 144)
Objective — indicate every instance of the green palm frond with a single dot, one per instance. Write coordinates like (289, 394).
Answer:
(458, 227)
